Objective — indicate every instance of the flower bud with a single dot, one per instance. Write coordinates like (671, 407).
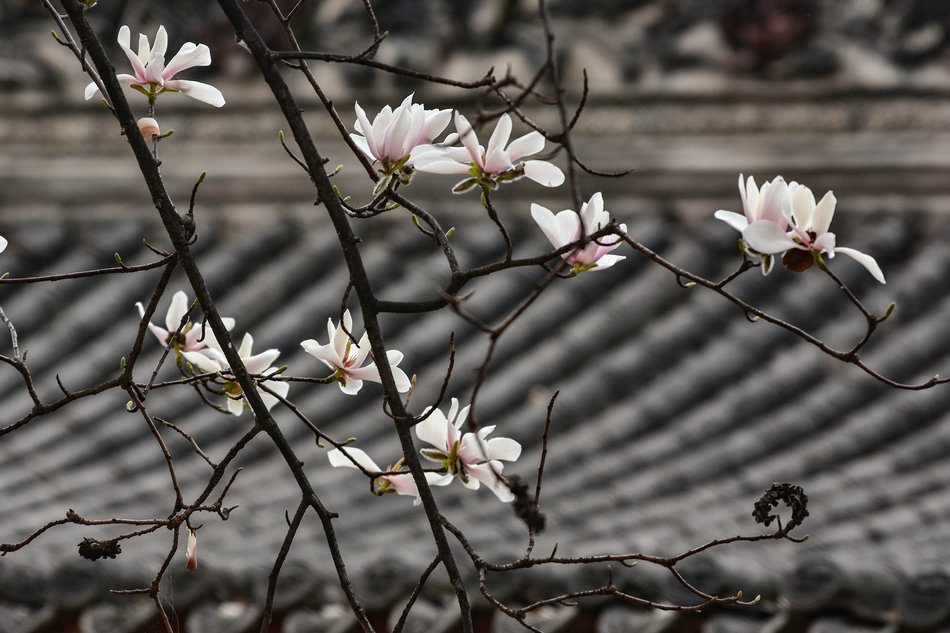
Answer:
(191, 551)
(149, 128)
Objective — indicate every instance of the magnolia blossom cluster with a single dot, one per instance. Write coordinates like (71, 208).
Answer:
(346, 357)
(152, 76)
(473, 458)
(198, 345)
(401, 140)
(784, 218)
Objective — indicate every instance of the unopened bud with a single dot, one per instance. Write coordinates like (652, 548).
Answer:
(149, 128)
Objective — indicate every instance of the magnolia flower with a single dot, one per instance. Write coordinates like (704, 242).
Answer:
(809, 236)
(766, 204)
(152, 76)
(471, 456)
(569, 226)
(212, 360)
(346, 358)
(191, 338)
(3, 244)
(401, 484)
(498, 163)
(393, 134)
(191, 551)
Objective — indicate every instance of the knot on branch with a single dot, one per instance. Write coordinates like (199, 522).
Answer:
(524, 506)
(94, 549)
(793, 496)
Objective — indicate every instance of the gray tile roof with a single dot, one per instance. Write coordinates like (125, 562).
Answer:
(674, 411)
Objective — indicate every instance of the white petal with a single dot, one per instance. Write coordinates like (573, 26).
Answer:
(765, 236)
(865, 260)
(736, 221)
(526, 145)
(339, 459)
(197, 90)
(543, 173)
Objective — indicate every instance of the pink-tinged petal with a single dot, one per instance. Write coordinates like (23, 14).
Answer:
(469, 140)
(160, 333)
(341, 458)
(434, 430)
(824, 212)
(129, 79)
(380, 125)
(544, 173)
(364, 127)
(766, 237)
(91, 89)
(413, 135)
(593, 215)
(404, 485)
(138, 65)
(395, 134)
(189, 55)
(499, 138)
(200, 91)
(370, 372)
(323, 353)
(530, 143)
(865, 260)
(736, 221)
(439, 165)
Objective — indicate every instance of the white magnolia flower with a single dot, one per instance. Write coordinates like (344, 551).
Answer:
(401, 484)
(212, 360)
(765, 204)
(809, 235)
(3, 244)
(393, 134)
(500, 162)
(569, 226)
(346, 358)
(192, 337)
(470, 456)
(152, 76)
